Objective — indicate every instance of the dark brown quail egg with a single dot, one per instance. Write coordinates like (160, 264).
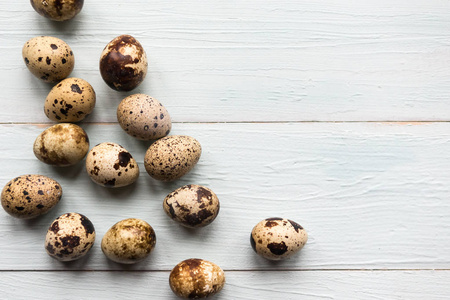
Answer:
(111, 165)
(71, 100)
(29, 196)
(123, 63)
(129, 241)
(48, 58)
(143, 117)
(192, 205)
(70, 237)
(277, 238)
(172, 157)
(57, 10)
(61, 145)
(196, 278)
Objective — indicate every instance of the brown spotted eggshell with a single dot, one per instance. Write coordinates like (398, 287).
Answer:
(129, 241)
(57, 10)
(61, 145)
(71, 100)
(143, 117)
(29, 196)
(172, 157)
(277, 238)
(48, 58)
(196, 278)
(111, 165)
(123, 63)
(70, 237)
(192, 205)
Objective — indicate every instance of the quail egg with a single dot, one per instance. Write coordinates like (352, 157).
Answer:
(57, 10)
(143, 117)
(196, 278)
(61, 145)
(129, 241)
(71, 100)
(29, 196)
(111, 165)
(277, 238)
(172, 157)
(70, 237)
(48, 58)
(123, 63)
(192, 205)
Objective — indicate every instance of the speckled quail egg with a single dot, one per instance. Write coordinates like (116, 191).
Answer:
(172, 157)
(111, 165)
(70, 237)
(61, 145)
(143, 117)
(123, 63)
(277, 238)
(48, 58)
(196, 278)
(57, 10)
(29, 196)
(192, 205)
(129, 241)
(71, 100)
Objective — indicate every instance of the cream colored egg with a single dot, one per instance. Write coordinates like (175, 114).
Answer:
(172, 157)
(71, 100)
(29, 196)
(111, 165)
(70, 237)
(61, 145)
(192, 205)
(129, 241)
(48, 58)
(143, 117)
(196, 278)
(123, 63)
(57, 10)
(277, 238)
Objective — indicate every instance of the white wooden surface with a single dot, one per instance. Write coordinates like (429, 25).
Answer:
(246, 78)
(308, 285)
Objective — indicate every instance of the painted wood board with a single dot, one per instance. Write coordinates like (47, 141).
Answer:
(245, 61)
(240, 285)
(370, 195)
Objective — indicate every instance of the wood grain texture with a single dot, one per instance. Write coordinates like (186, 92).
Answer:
(246, 78)
(396, 285)
(370, 195)
(251, 60)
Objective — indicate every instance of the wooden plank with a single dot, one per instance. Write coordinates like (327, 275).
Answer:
(252, 60)
(240, 285)
(370, 195)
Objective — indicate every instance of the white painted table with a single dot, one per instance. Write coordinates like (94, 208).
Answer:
(333, 114)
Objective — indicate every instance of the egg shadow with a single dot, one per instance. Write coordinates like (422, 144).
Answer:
(69, 172)
(89, 118)
(200, 233)
(68, 27)
(138, 266)
(78, 264)
(169, 186)
(40, 223)
(115, 193)
(136, 145)
(262, 263)
(40, 88)
(156, 186)
(115, 97)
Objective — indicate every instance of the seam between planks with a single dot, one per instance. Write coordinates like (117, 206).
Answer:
(230, 270)
(246, 122)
